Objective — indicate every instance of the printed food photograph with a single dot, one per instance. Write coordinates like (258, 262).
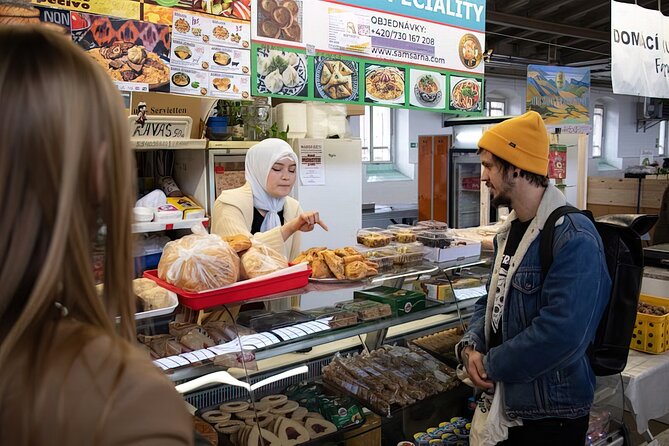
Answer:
(470, 51)
(280, 19)
(281, 72)
(427, 89)
(230, 33)
(465, 94)
(384, 84)
(129, 50)
(235, 9)
(336, 79)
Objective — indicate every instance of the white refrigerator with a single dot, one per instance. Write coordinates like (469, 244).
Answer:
(330, 182)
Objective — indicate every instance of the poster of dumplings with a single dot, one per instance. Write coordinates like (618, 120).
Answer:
(336, 79)
(129, 51)
(281, 72)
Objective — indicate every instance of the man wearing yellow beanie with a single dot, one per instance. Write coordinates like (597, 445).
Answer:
(529, 336)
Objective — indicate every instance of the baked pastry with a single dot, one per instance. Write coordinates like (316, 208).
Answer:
(229, 427)
(274, 400)
(355, 270)
(335, 263)
(238, 242)
(290, 432)
(162, 345)
(287, 407)
(262, 420)
(140, 285)
(154, 298)
(199, 262)
(319, 427)
(235, 406)
(215, 416)
(320, 269)
(260, 260)
(206, 430)
(353, 258)
(299, 414)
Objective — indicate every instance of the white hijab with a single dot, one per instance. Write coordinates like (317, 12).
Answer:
(259, 160)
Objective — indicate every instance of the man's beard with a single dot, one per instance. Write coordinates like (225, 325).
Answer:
(501, 197)
(501, 200)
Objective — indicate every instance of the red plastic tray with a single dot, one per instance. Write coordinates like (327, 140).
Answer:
(236, 293)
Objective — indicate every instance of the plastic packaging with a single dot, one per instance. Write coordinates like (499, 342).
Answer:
(153, 199)
(432, 224)
(435, 239)
(142, 214)
(384, 257)
(199, 262)
(374, 237)
(260, 260)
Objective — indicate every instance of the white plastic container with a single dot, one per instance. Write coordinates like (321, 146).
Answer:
(317, 120)
(142, 214)
(292, 117)
(168, 213)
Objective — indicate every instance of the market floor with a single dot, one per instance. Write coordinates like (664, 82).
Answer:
(659, 430)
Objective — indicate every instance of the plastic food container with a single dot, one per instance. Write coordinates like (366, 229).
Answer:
(435, 239)
(432, 224)
(374, 239)
(142, 214)
(403, 235)
(367, 310)
(272, 321)
(384, 257)
(335, 317)
(408, 254)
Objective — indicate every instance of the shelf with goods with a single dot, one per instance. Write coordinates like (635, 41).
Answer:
(155, 226)
(316, 350)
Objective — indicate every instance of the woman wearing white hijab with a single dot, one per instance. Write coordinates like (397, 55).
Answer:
(262, 207)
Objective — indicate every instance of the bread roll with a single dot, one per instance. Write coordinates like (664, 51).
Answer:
(198, 263)
(260, 260)
(238, 242)
(140, 285)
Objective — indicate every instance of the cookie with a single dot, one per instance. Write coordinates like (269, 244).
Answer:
(288, 407)
(299, 414)
(274, 400)
(229, 427)
(260, 420)
(250, 413)
(215, 416)
(235, 406)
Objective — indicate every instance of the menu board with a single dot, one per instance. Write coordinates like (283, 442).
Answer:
(154, 11)
(134, 54)
(421, 55)
(210, 56)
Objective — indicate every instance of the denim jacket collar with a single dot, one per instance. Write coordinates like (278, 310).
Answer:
(551, 200)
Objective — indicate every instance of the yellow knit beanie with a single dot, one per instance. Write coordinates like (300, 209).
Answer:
(522, 141)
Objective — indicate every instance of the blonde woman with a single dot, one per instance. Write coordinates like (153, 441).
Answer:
(69, 375)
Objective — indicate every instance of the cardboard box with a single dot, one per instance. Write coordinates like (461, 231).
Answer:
(461, 251)
(401, 301)
(191, 210)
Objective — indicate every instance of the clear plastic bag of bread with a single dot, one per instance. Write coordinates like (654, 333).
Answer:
(199, 262)
(260, 260)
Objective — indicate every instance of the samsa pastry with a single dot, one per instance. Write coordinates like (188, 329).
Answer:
(335, 263)
(274, 81)
(290, 77)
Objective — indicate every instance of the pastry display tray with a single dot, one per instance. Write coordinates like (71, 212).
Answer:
(287, 279)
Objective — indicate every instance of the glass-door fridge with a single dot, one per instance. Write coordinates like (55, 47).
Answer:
(465, 188)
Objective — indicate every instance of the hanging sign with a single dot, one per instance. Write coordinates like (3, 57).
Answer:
(398, 53)
(561, 95)
(557, 161)
(639, 51)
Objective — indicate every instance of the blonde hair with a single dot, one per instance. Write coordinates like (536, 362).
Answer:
(65, 168)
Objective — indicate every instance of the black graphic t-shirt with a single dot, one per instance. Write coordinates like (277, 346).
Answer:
(516, 233)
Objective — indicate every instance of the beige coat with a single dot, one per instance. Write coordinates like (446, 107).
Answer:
(143, 409)
(233, 214)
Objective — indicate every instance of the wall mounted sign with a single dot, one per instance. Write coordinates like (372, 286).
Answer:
(398, 53)
(561, 95)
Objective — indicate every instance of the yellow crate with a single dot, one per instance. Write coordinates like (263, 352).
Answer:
(651, 333)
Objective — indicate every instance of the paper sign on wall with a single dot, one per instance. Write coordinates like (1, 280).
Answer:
(312, 165)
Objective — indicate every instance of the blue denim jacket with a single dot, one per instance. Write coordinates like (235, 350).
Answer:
(547, 326)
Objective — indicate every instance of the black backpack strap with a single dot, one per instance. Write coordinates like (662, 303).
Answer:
(546, 243)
